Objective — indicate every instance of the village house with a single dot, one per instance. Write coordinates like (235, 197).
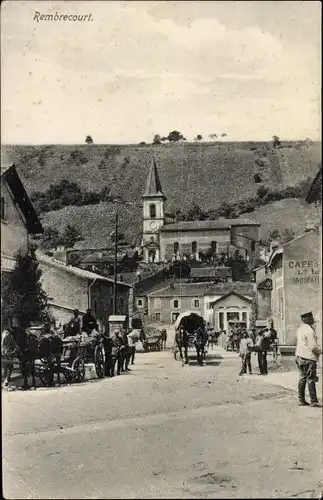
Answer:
(19, 221)
(72, 288)
(295, 272)
(263, 289)
(219, 304)
(187, 240)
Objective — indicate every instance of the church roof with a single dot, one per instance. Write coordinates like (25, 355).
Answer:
(198, 225)
(153, 187)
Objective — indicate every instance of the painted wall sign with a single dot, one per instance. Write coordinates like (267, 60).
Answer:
(304, 272)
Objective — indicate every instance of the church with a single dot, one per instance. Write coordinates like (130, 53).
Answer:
(163, 242)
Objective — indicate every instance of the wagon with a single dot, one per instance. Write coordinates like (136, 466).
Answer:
(76, 354)
(152, 343)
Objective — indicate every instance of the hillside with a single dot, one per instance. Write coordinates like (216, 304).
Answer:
(204, 173)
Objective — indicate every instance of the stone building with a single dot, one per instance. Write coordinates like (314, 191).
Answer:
(296, 284)
(263, 289)
(166, 242)
(72, 288)
(19, 221)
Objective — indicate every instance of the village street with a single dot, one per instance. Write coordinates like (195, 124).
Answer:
(162, 431)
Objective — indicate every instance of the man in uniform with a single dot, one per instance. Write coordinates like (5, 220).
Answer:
(307, 355)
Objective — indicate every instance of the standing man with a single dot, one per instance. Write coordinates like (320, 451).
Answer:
(307, 355)
(89, 322)
(133, 337)
(108, 344)
(117, 345)
(184, 339)
(262, 347)
(245, 351)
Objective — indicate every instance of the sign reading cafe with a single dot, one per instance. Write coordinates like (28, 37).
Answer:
(304, 272)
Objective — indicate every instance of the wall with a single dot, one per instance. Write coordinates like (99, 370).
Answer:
(278, 298)
(302, 281)
(102, 301)
(185, 240)
(64, 288)
(263, 304)
(14, 234)
(166, 307)
(234, 304)
(243, 241)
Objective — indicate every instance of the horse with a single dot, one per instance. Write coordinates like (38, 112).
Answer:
(50, 350)
(27, 351)
(182, 341)
(200, 341)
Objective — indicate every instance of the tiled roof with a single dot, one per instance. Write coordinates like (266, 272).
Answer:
(153, 187)
(81, 273)
(211, 272)
(181, 290)
(207, 224)
(243, 288)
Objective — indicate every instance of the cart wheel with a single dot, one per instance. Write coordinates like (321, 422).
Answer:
(99, 361)
(46, 377)
(79, 369)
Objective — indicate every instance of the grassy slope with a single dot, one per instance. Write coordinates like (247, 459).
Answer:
(205, 173)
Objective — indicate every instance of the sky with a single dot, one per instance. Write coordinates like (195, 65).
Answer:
(250, 70)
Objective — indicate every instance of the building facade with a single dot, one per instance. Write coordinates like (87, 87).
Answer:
(263, 289)
(165, 242)
(18, 222)
(72, 288)
(296, 283)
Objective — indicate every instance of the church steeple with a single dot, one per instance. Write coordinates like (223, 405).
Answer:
(153, 187)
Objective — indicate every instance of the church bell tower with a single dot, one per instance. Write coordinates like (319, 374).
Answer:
(153, 215)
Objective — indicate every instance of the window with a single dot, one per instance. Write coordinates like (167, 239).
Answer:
(3, 208)
(151, 255)
(194, 247)
(152, 211)
(214, 247)
(176, 247)
(253, 246)
(157, 316)
(175, 303)
(244, 317)
(196, 302)
(121, 302)
(157, 304)
(139, 302)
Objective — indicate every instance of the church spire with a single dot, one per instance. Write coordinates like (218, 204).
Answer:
(153, 187)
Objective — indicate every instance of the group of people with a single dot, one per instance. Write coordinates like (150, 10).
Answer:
(261, 344)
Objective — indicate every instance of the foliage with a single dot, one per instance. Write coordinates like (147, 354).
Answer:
(70, 236)
(213, 136)
(23, 297)
(257, 178)
(74, 259)
(89, 139)
(52, 239)
(199, 137)
(262, 191)
(157, 139)
(276, 141)
(175, 136)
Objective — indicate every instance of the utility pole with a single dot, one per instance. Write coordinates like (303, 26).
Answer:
(115, 265)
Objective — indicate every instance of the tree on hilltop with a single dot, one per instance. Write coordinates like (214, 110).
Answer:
(175, 136)
(213, 136)
(199, 137)
(157, 139)
(89, 139)
(276, 141)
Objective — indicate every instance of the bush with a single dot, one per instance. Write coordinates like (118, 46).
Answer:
(262, 191)
(257, 178)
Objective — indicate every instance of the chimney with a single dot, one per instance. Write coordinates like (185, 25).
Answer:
(274, 245)
(60, 254)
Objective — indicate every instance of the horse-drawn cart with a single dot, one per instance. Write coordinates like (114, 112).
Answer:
(75, 353)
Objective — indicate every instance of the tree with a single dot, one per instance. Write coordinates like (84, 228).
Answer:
(175, 136)
(51, 239)
(224, 135)
(274, 235)
(23, 297)
(89, 139)
(276, 141)
(70, 236)
(213, 136)
(157, 139)
(199, 137)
